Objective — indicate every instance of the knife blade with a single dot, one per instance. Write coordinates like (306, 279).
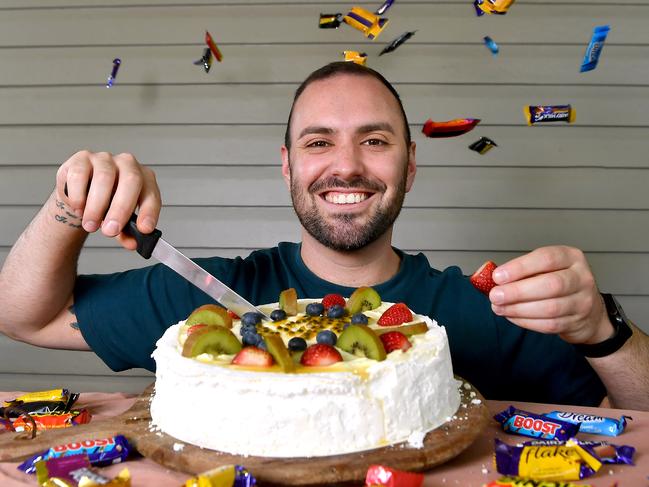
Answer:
(152, 244)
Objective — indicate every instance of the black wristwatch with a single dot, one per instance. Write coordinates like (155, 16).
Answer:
(620, 336)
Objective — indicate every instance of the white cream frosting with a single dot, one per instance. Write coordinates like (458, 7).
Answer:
(352, 406)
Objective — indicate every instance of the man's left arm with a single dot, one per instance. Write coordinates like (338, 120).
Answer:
(553, 290)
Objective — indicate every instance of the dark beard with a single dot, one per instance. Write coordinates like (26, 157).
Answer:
(345, 234)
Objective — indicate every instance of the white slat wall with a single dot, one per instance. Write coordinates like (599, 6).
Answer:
(214, 138)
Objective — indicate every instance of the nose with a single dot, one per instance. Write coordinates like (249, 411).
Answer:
(347, 161)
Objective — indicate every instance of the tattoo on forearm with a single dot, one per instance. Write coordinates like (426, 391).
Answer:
(67, 217)
(74, 325)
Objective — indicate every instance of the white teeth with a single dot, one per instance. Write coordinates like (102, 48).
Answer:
(345, 199)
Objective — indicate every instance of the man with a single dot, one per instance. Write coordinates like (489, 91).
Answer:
(348, 161)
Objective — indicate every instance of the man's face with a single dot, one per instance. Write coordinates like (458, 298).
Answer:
(349, 166)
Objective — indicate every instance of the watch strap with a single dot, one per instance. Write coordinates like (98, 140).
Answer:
(622, 332)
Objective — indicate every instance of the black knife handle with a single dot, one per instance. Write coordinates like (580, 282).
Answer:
(146, 242)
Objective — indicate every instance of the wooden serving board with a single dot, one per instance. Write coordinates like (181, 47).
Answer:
(440, 445)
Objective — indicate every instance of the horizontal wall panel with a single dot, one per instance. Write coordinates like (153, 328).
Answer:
(414, 62)
(239, 23)
(13, 381)
(618, 273)
(434, 187)
(595, 105)
(259, 145)
(434, 229)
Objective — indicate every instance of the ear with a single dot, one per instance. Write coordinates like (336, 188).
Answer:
(412, 166)
(286, 169)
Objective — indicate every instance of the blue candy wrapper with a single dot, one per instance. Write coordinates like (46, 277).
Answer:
(524, 423)
(594, 48)
(596, 425)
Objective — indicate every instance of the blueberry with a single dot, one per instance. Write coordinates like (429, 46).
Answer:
(262, 344)
(250, 339)
(247, 328)
(297, 344)
(359, 319)
(278, 315)
(251, 318)
(335, 311)
(326, 337)
(314, 309)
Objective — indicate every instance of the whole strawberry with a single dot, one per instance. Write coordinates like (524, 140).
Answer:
(395, 315)
(330, 299)
(482, 279)
(320, 355)
(395, 340)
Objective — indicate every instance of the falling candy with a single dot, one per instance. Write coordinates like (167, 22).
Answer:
(483, 145)
(205, 60)
(451, 128)
(491, 45)
(397, 42)
(215, 50)
(355, 57)
(368, 23)
(383, 8)
(117, 62)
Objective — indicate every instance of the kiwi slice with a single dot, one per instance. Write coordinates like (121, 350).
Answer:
(210, 314)
(280, 353)
(363, 299)
(361, 341)
(213, 339)
(288, 301)
(408, 330)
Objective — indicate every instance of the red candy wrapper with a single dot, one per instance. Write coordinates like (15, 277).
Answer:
(55, 420)
(382, 476)
(451, 128)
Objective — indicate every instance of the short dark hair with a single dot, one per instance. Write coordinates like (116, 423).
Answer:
(344, 67)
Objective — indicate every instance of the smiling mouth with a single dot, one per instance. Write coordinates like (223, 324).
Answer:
(345, 198)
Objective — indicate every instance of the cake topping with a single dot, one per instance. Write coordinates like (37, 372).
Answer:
(210, 314)
(395, 315)
(362, 342)
(288, 301)
(213, 339)
(395, 340)
(319, 355)
(253, 357)
(330, 299)
(363, 299)
(280, 353)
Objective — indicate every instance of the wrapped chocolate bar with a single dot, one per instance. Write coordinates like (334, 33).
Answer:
(512, 481)
(596, 425)
(397, 42)
(74, 471)
(64, 404)
(556, 463)
(355, 57)
(450, 128)
(368, 23)
(55, 420)
(382, 476)
(549, 113)
(101, 452)
(117, 62)
(49, 395)
(523, 423)
(594, 49)
(224, 476)
(606, 452)
(483, 145)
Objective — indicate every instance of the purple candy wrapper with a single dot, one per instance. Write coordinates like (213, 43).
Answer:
(59, 468)
(605, 451)
(564, 462)
(101, 452)
(532, 425)
(596, 425)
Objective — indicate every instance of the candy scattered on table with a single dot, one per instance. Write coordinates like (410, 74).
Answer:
(524, 423)
(594, 49)
(224, 476)
(596, 425)
(397, 42)
(549, 113)
(117, 62)
(451, 128)
(382, 476)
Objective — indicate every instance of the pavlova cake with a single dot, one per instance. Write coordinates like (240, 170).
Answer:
(325, 377)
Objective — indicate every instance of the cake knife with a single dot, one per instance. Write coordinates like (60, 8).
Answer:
(151, 244)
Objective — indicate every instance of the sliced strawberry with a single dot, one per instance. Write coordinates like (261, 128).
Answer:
(395, 340)
(194, 328)
(330, 299)
(395, 315)
(233, 315)
(253, 356)
(482, 279)
(320, 355)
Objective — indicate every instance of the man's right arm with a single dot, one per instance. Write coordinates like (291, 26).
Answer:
(94, 191)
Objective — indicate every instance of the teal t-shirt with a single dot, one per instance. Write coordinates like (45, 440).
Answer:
(122, 315)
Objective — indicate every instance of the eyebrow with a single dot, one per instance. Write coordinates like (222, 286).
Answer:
(363, 129)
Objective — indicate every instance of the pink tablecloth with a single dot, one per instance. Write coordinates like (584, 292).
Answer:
(472, 468)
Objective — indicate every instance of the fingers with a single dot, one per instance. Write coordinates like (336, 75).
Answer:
(539, 287)
(543, 260)
(105, 189)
